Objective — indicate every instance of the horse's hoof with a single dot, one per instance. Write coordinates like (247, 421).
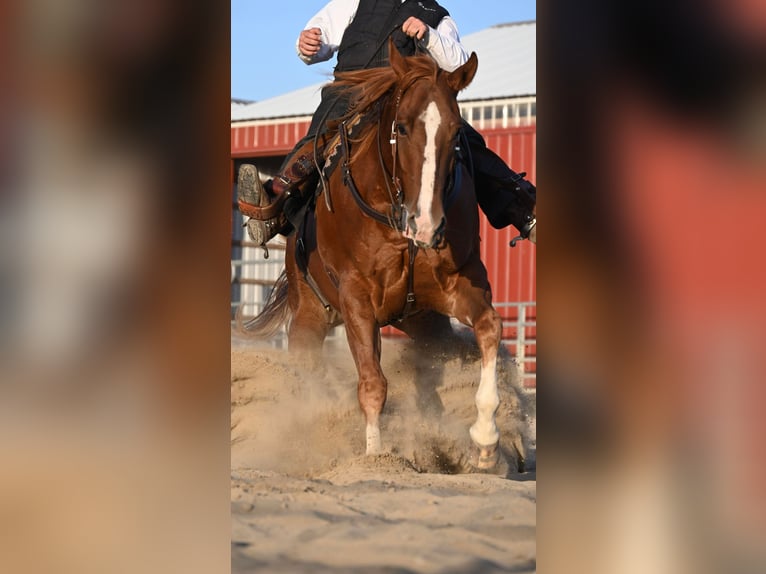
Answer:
(485, 457)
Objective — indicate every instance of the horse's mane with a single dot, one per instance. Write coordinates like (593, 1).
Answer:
(366, 88)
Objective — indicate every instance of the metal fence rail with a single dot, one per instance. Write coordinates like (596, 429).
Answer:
(520, 337)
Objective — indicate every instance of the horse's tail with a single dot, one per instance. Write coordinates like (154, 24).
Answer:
(275, 313)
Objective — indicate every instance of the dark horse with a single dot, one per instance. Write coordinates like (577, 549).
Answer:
(389, 243)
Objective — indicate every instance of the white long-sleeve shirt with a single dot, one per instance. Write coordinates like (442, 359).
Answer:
(443, 42)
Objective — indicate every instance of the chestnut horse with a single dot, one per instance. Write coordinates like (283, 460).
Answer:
(387, 245)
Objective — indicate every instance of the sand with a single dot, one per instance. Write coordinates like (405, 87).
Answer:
(305, 498)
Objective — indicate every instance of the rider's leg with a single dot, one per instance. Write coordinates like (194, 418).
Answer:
(504, 196)
(272, 206)
(264, 204)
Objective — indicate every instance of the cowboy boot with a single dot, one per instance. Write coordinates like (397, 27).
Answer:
(252, 196)
(265, 204)
(264, 211)
(522, 211)
(508, 201)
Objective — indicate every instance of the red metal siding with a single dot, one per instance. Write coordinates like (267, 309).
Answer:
(266, 139)
(512, 270)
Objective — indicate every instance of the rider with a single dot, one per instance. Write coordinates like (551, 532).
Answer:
(358, 30)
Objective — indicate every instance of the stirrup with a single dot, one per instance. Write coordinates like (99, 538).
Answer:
(525, 231)
(261, 232)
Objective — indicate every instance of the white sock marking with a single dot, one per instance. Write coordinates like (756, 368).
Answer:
(484, 430)
(373, 439)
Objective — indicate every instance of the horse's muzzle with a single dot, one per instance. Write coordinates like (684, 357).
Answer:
(426, 236)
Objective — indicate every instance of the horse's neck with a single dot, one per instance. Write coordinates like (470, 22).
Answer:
(373, 170)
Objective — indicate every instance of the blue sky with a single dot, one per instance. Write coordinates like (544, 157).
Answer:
(263, 34)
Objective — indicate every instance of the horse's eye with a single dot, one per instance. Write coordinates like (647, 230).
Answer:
(401, 129)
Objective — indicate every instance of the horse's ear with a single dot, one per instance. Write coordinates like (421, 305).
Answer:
(396, 59)
(463, 76)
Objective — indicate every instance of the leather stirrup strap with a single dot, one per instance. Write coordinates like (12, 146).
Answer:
(263, 213)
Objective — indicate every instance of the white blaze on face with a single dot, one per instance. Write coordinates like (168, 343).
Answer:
(426, 226)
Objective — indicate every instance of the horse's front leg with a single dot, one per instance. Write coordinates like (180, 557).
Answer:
(476, 310)
(363, 335)
(484, 433)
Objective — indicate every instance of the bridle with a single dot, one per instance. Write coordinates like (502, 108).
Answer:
(397, 216)
(399, 212)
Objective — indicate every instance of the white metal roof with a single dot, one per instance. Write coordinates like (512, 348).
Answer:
(507, 63)
(301, 102)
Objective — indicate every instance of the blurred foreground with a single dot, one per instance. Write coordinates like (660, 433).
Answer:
(114, 281)
(652, 163)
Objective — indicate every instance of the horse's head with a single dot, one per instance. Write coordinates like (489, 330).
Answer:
(424, 131)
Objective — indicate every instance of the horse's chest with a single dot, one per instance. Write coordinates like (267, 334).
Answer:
(382, 275)
(387, 271)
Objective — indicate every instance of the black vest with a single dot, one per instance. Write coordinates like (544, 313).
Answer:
(365, 41)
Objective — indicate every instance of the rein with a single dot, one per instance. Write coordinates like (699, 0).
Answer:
(348, 180)
(322, 181)
(397, 218)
